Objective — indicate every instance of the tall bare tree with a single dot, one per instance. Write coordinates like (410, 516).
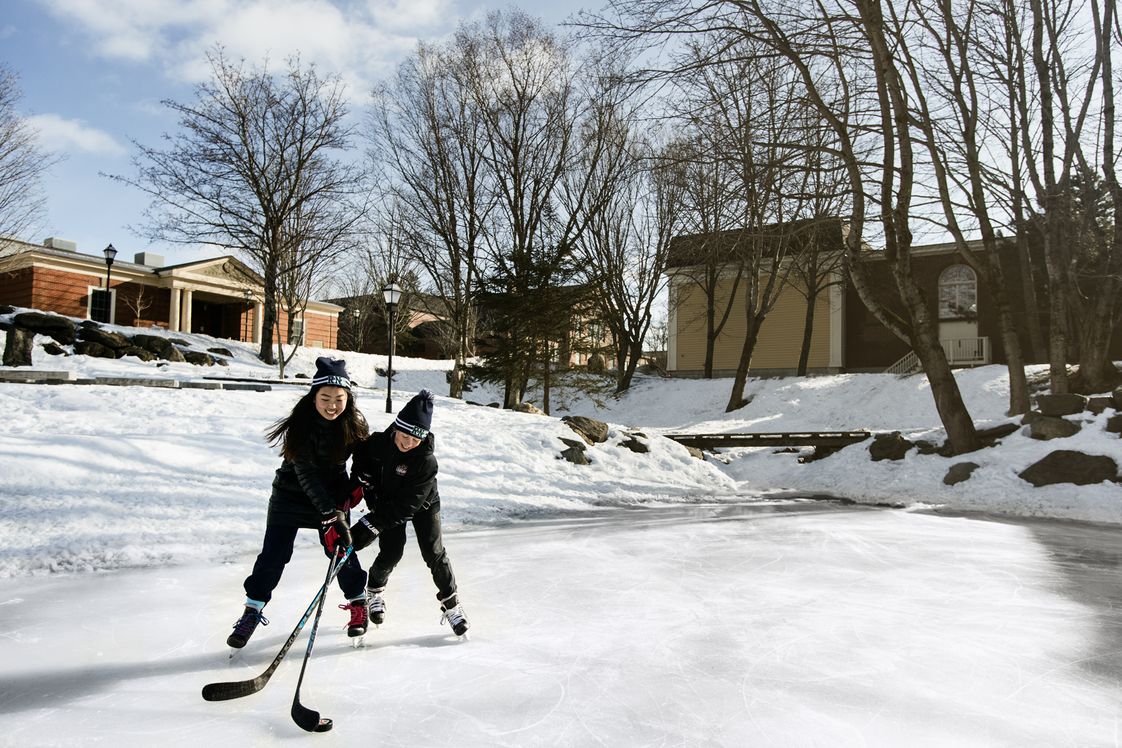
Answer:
(22, 165)
(257, 164)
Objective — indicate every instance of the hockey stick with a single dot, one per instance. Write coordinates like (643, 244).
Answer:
(237, 689)
(309, 719)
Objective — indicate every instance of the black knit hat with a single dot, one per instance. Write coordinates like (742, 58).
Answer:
(331, 372)
(415, 418)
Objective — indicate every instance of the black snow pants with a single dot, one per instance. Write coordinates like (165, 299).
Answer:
(391, 547)
(276, 551)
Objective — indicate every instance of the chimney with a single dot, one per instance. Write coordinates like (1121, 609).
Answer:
(64, 244)
(149, 259)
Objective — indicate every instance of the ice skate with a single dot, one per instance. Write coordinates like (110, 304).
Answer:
(356, 627)
(453, 613)
(376, 605)
(245, 626)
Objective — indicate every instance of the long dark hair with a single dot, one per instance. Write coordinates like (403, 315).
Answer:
(294, 430)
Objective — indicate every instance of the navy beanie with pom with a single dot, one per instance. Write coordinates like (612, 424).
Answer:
(331, 372)
(415, 418)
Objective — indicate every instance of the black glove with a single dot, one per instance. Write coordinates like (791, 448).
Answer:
(364, 531)
(334, 533)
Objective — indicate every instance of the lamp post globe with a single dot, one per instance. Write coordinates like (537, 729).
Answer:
(390, 294)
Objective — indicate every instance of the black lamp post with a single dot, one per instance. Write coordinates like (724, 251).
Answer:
(110, 252)
(391, 293)
(245, 316)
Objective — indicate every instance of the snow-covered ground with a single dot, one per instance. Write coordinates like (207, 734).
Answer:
(640, 600)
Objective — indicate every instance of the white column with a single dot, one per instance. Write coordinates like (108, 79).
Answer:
(672, 293)
(187, 295)
(258, 313)
(173, 312)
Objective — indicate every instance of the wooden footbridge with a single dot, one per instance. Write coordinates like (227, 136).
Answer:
(771, 439)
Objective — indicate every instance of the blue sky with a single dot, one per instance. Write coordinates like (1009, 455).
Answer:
(93, 73)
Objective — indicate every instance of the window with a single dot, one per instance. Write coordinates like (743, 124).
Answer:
(100, 303)
(958, 293)
(297, 337)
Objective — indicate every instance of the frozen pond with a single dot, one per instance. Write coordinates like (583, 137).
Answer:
(788, 623)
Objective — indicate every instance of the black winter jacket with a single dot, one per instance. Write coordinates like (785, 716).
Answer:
(398, 484)
(315, 483)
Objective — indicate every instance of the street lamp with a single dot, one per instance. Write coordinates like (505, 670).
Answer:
(110, 252)
(245, 316)
(391, 293)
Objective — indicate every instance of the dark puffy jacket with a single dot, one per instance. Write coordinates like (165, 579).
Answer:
(315, 483)
(398, 484)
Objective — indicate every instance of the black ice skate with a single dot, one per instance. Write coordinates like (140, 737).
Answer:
(356, 627)
(454, 615)
(245, 626)
(376, 605)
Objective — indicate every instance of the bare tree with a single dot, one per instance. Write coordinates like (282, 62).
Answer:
(426, 133)
(22, 165)
(252, 170)
(138, 300)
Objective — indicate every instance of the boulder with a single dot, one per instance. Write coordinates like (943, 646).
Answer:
(1114, 424)
(1050, 427)
(142, 353)
(574, 451)
(959, 472)
(6, 309)
(889, 447)
(180, 342)
(589, 429)
(528, 408)
(159, 345)
(695, 452)
(1069, 466)
(17, 347)
(990, 435)
(113, 340)
(1067, 404)
(58, 327)
(54, 349)
(223, 352)
(1097, 405)
(633, 443)
(198, 358)
(1116, 398)
(97, 350)
(1032, 415)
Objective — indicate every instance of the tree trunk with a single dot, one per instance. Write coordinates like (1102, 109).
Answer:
(808, 330)
(736, 397)
(1014, 356)
(268, 315)
(1096, 371)
(710, 339)
(624, 382)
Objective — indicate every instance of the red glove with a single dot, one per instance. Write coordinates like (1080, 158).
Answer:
(334, 533)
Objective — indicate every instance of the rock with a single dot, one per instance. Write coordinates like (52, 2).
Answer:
(1116, 398)
(695, 452)
(5, 309)
(159, 345)
(889, 447)
(990, 436)
(636, 446)
(54, 349)
(198, 358)
(1050, 427)
(301, 375)
(1032, 415)
(1097, 405)
(574, 452)
(113, 340)
(58, 327)
(1061, 405)
(1069, 466)
(17, 347)
(818, 453)
(1114, 424)
(97, 350)
(142, 353)
(179, 342)
(959, 472)
(527, 408)
(925, 447)
(225, 352)
(589, 429)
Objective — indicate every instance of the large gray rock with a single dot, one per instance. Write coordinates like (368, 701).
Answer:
(635, 444)
(1049, 427)
(142, 353)
(59, 328)
(1061, 405)
(54, 349)
(6, 309)
(198, 358)
(889, 447)
(574, 451)
(1114, 424)
(960, 472)
(17, 347)
(1097, 405)
(1069, 466)
(528, 408)
(589, 429)
(113, 340)
(97, 350)
(161, 346)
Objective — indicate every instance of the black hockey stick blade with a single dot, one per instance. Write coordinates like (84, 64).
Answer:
(234, 689)
(309, 719)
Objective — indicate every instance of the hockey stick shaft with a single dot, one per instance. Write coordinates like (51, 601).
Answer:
(237, 689)
(308, 719)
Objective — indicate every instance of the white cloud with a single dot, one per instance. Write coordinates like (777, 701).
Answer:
(67, 135)
(410, 14)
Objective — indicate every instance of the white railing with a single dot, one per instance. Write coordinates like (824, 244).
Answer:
(959, 352)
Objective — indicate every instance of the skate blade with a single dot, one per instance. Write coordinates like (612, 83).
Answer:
(358, 641)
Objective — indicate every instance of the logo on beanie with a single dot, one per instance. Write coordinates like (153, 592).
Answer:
(331, 372)
(415, 418)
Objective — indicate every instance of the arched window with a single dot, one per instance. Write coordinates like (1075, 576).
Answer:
(958, 293)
